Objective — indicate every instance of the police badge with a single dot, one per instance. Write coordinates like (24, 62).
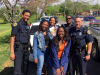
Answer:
(15, 24)
(80, 33)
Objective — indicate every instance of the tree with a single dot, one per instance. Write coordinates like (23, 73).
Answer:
(97, 6)
(52, 10)
(13, 8)
(47, 3)
(78, 6)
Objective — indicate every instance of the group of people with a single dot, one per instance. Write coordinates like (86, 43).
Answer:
(55, 47)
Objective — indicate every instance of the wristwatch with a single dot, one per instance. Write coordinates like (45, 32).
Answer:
(88, 53)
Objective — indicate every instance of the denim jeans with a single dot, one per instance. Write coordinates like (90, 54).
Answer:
(43, 57)
(40, 56)
(47, 61)
(64, 68)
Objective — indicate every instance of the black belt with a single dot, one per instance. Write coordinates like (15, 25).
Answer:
(24, 45)
(78, 50)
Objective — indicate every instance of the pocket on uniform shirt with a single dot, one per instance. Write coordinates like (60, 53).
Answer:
(24, 33)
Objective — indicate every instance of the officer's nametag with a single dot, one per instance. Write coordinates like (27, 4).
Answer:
(89, 32)
(15, 24)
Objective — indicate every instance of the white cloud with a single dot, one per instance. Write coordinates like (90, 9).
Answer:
(92, 2)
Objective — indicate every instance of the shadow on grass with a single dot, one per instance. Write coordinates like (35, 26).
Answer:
(7, 71)
(5, 39)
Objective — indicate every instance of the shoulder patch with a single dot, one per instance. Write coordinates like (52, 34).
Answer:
(89, 32)
(15, 24)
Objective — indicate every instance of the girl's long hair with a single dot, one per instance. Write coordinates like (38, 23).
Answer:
(40, 25)
(66, 38)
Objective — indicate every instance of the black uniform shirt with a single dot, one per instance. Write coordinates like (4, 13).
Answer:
(68, 26)
(22, 32)
(80, 37)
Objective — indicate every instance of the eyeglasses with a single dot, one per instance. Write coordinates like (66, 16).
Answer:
(68, 18)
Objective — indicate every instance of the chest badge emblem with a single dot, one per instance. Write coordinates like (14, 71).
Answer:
(80, 33)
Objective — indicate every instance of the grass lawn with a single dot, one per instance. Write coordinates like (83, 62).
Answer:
(62, 18)
(97, 18)
(1, 21)
(4, 27)
(6, 65)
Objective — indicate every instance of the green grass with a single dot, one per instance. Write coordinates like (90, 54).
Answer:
(1, 21)
(4, 27)
(5, 31)
(32, 18)
(5, 55)
(62, 18)
(97, 18)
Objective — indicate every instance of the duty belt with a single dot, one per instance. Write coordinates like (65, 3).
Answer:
(78, 50)
(18, 44)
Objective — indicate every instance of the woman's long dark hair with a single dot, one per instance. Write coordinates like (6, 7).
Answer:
(40, 26)
(67, 38)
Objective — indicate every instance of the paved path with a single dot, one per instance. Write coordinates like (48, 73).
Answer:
(61, 22)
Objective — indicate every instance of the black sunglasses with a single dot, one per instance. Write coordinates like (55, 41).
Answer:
(68, 18)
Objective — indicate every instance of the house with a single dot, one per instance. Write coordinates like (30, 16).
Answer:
(96, 13)
(59, 14)
(89, 12)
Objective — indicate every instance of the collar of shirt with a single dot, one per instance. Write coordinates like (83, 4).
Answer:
(80, 29)
(23, 22)
(69, 25)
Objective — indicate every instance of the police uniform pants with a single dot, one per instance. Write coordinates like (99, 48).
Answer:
(78, 60)
(21, 61)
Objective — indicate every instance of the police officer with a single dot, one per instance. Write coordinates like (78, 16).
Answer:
(19, 44)
(80, 36)
(68, 26)
(69, 22)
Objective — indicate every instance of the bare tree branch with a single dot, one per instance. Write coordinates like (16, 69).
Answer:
(5, 16)
(6, 4)
(15, 3)
(19, 13)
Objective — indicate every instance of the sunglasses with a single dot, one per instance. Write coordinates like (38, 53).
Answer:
(68, 18)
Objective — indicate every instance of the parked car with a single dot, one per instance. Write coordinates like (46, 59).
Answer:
(85, 22)
(95, 53)
(56, 18)
(93, 21)
(45, 17)
(33, 29)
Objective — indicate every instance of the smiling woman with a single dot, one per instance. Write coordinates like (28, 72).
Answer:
(60, 50)
(41, 47)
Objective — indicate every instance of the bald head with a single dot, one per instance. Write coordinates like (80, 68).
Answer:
(78, 22)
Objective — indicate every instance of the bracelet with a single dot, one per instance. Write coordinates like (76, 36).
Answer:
(88, 53)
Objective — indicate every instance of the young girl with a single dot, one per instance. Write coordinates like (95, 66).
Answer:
(60, 50)
(41, 45)
(52, 26)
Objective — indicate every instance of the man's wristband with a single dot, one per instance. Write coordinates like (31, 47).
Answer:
(88, 53)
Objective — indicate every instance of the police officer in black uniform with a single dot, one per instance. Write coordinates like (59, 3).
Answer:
(80, 36)
(69, 22)
(19, 41)
(68, 26)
